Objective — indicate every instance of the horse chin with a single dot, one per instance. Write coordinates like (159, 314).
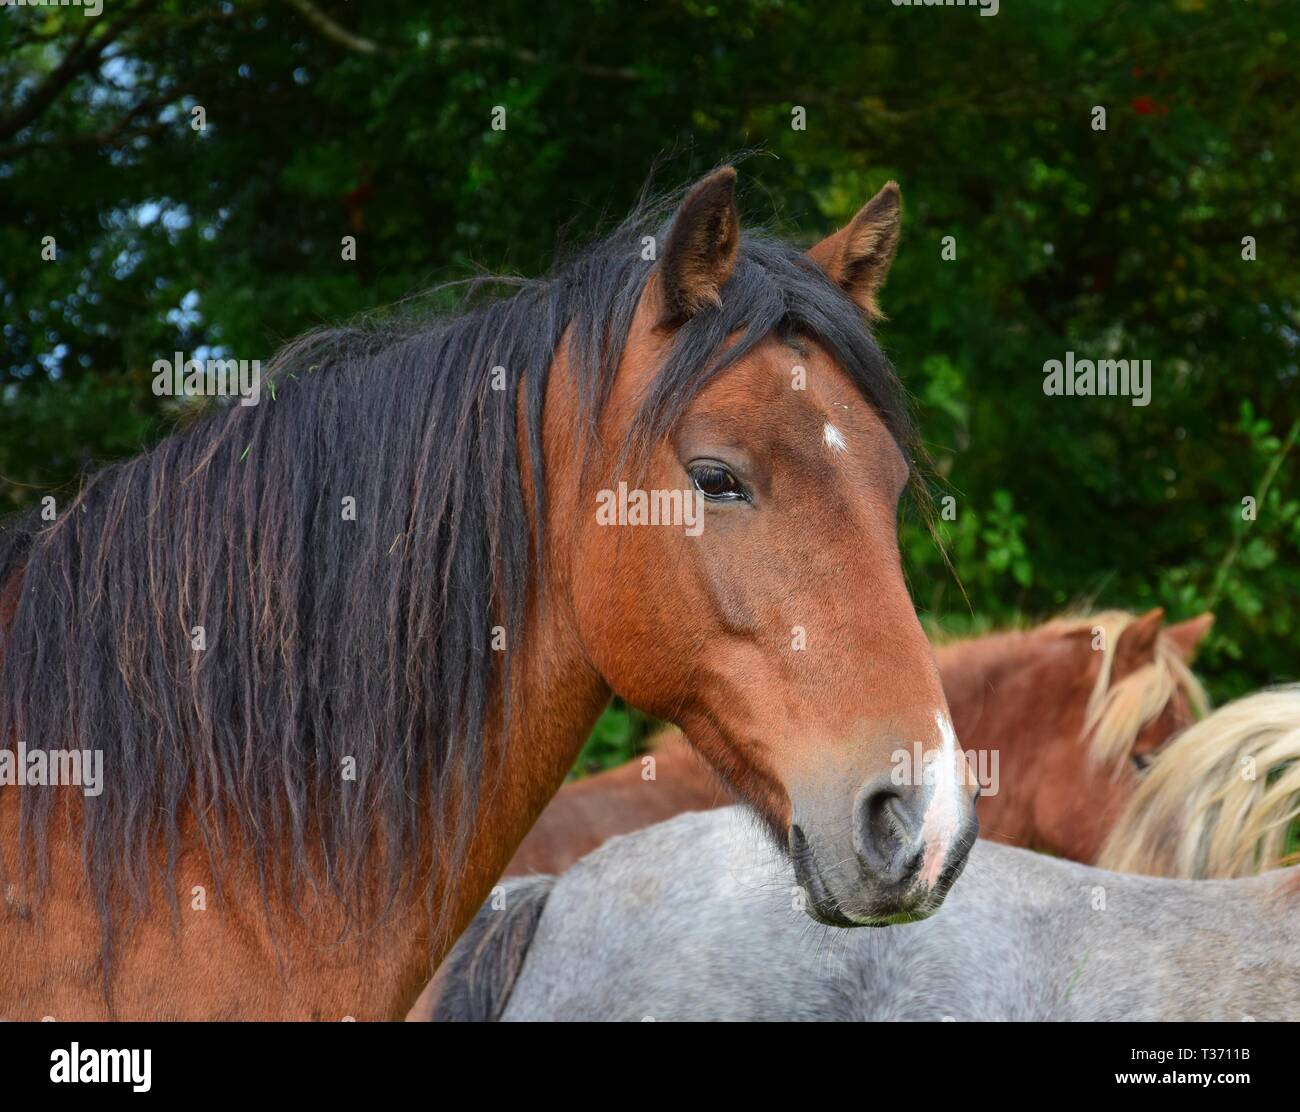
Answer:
(831, 912)
(835, 914)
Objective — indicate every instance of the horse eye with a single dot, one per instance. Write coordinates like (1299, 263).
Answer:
(1141, 761)
(716, 483)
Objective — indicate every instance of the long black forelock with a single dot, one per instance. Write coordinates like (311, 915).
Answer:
(335, 645)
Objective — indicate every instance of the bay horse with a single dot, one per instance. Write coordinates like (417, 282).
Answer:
(1074, 709)
(1024, 937)
(336, 650)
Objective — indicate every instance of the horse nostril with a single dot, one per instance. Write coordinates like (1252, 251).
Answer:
(887, 829)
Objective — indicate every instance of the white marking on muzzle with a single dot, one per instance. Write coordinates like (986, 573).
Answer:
(942, 818)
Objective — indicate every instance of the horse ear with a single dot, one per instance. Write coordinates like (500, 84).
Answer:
(1187, 636)
(702, 247)
(858, 256)
(1137, 643)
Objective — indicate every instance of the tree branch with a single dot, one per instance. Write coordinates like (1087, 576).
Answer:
(335, 31)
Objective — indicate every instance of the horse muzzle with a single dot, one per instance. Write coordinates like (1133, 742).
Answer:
(908, 845)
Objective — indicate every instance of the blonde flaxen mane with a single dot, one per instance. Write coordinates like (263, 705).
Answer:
(1118, 712)
(1220, 798)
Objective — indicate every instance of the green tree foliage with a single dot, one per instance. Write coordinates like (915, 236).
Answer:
(327, 119)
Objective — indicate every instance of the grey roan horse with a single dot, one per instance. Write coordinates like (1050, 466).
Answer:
(698, 919)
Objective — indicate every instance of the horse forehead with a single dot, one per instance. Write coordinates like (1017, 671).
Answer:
(799, 383)
(808, 409)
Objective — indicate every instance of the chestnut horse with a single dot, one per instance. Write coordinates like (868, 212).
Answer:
(337, 650)
(1072, 714)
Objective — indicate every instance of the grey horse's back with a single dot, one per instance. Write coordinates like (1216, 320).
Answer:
(699, 918)
(668, 924)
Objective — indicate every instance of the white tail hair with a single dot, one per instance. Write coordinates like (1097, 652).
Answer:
(1220, 798)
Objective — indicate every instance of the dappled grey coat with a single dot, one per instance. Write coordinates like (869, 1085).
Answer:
(699, 919)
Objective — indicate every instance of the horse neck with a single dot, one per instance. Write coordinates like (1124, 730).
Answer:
(556, 698)
(620, 800)
(556, 694)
